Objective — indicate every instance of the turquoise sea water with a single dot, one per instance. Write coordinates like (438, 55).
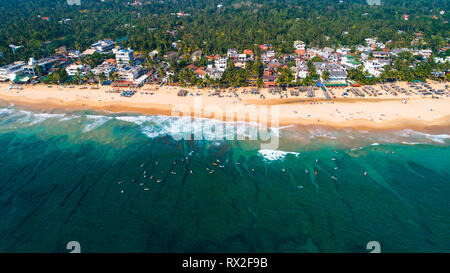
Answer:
(122, 183)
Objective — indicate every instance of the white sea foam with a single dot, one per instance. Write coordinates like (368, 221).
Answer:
(152, 131)
(95, 121)
(69, 117)
(274, 155)
(34, 118)
(440, 138)
(139, 120)
(411, 143)
(6, 111)
(193, 128)
(42, 117)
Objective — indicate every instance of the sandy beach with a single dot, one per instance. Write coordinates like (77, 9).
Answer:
(384, 111)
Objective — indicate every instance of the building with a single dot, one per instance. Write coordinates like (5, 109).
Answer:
(349, 61)
(73, 69)
(301, 70)
(375, 67)
(426, 53)
(213, 73)
(130, 73)
(299, 45)
(11, 71)
(221, 64)
(337, 76)
(323, 66)
(381, 54)
(103, 46)
(124, 56)
(44, 65)
(62, 50)
(371, 41)
(442, 60)
(232, 53)
(105, 68)
(250, 54)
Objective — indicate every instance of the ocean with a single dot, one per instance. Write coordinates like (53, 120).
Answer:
(127, 183)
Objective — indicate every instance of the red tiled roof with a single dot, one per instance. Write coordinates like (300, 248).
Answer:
(200, 71)
(300, 52)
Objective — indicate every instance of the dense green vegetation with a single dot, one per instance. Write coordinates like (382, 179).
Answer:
(239, 24)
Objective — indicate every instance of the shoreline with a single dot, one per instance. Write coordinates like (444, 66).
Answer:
(372, 113)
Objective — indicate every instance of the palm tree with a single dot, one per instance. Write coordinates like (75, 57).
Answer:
(325, 75)
(113, 76)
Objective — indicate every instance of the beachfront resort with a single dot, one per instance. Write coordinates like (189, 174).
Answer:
(107, 63)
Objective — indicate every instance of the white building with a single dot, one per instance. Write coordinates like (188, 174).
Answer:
(426, 53)
(302, 70)
(381, 54)
(221, 64)
(337, 76)
(130, 73)
(343, 50)
(232, 53)
(299, 45)
(322, 66)
(371, 41)
(442, 60)
(44, 64)
(11, 71)
(73, 69)
(349, 61)
(105, 68)
(124, 56)
(375, 67)
(242, 57)
(103, 46)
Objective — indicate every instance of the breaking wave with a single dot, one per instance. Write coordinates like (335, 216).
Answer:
(214, 130)
(273, 155)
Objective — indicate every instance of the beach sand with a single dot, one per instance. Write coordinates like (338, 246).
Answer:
(382, 112)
